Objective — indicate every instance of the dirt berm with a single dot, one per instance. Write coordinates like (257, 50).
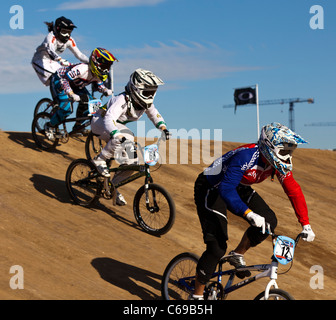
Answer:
(70, 252)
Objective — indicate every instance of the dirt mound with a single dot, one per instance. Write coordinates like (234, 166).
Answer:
(69, 252)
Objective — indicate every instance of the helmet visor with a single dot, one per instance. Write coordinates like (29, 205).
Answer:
(149, 93)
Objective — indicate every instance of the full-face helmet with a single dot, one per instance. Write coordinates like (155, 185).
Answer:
(142, 87)
(100, 63)
(63, 28)
(277, 143)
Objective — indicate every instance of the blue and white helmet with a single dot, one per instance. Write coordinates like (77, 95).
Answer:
(277, 143)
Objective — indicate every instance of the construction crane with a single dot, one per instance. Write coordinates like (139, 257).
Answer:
(321, 124)
(291, 102)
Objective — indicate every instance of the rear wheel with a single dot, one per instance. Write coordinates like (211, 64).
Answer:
(93, 146)
(154, 209)
(82, 182)
(38, 132)
(44, 105)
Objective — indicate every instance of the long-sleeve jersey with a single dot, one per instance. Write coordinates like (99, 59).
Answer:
(77, 76)
(119, 109)
(246, 165)
(52, 48)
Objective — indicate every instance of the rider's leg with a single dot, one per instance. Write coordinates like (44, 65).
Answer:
(114, 149)
(82, 108)
(44, 68)
(211, 211)
(243, 245)
(65, 107)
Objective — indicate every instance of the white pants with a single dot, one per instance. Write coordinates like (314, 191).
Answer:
(114, 149)
(45, 68)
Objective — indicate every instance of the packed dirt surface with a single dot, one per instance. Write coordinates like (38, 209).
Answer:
(70, 252)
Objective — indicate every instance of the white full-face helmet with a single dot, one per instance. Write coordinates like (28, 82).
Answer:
(142, 87)
(277, 143)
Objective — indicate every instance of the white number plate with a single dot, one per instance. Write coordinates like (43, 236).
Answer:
(284, 249)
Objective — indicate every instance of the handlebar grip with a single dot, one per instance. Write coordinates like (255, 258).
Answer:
(300, 235)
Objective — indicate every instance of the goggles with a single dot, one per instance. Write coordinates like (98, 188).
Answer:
(147, 92)
(65, 32)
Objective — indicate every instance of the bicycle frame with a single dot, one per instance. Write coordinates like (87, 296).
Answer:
(268, 270)
(83, 125)
(143, 170)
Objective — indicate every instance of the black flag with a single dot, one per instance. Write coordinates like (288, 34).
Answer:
(245, 96)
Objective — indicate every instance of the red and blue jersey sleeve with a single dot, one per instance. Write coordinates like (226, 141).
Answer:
(296, 197)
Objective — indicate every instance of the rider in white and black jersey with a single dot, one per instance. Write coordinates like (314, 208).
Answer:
(47, 60)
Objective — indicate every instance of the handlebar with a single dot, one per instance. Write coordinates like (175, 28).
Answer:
(274, 235)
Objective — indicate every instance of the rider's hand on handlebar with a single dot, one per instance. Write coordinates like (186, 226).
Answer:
(166, 133)
(63, 62)
(107, 92)
(307, 230)
(74, 97)
(257, 221)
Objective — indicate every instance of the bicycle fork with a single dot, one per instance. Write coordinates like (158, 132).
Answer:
(272, 273)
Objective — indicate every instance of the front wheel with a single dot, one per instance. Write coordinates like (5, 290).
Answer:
(38, 132)
(275, 294)
(82, 182)
(178, 280)
(154, 209)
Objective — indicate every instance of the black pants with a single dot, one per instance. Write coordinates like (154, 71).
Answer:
(212, 213)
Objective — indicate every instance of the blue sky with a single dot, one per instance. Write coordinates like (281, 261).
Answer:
(202, 49)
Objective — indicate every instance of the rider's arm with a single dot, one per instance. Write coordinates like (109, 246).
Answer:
(71, 73)
(296, 197)
(234, 171)
(50, 46)
(116, 106)
(77, 53)
(156, 118)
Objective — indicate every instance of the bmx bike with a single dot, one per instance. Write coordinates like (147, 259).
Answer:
(61, 132)
(153, 206)
(178, 281)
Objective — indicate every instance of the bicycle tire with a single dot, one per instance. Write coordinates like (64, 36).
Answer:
(82, 182)
(44, 105)
(157, 216)
(42, 142)
(182, 266)
(275, 294)
(93, 146)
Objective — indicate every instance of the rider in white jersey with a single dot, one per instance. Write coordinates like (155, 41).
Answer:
(109, 123)
(47, 59)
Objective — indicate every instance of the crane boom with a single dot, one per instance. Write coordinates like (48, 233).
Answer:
(291, 102)
(321, 124)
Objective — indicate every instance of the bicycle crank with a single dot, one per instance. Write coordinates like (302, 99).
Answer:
(109, 190)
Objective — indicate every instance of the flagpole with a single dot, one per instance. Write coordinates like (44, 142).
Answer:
(111, 75)
(257, 100)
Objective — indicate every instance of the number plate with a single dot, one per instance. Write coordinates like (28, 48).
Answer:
(284, 249)
(151, 154)
(94, 106)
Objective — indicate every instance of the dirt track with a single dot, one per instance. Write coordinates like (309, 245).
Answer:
(69, 252)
